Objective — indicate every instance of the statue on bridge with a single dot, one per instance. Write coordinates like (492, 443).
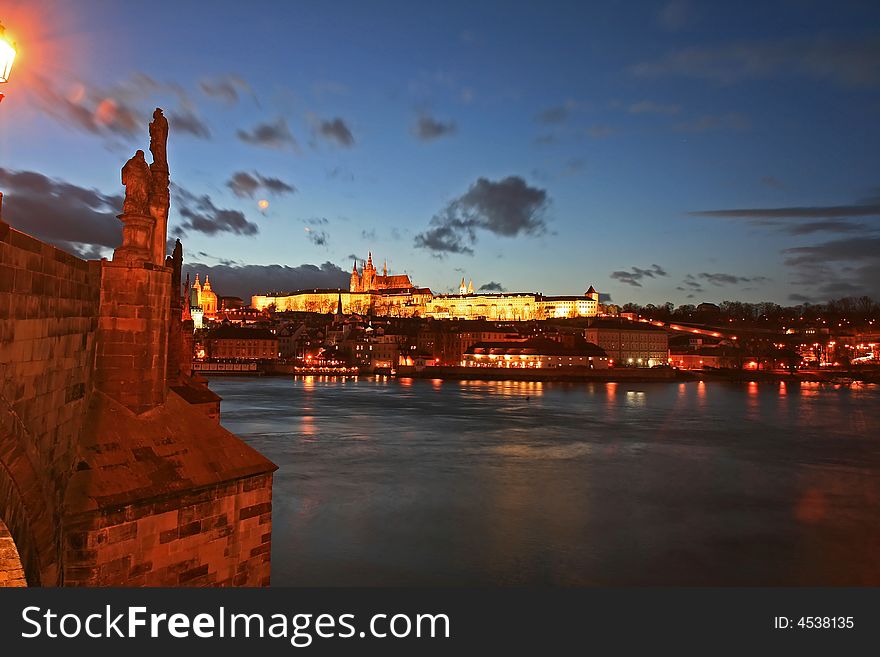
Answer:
(137, 180)
(159, 139)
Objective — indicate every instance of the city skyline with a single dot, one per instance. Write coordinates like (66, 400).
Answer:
(659, 151)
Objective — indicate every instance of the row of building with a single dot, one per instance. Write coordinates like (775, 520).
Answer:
(395, 296)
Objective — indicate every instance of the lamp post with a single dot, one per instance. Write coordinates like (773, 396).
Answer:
(7, 56)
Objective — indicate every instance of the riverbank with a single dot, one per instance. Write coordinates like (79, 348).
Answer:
(573, 374)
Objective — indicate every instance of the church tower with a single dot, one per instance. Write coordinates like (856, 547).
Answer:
(470, 289)
(355, 285)
(462, 289)
(368, 281)
(196, 295)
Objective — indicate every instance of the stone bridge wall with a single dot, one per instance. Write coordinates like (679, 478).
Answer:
(108, 476)
(49, 302)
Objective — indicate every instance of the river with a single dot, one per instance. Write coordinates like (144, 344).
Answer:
(385, 482)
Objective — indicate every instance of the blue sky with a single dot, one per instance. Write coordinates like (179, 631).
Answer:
(536, 146)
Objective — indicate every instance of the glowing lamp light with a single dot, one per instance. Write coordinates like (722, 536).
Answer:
(7, 56)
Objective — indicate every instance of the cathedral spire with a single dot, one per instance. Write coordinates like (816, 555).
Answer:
(370, 259)
(385, 268)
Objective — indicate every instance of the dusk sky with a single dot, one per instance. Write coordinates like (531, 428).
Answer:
(660, 151)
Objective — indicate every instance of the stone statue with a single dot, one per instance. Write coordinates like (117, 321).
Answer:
(136, 178)
(159, 139)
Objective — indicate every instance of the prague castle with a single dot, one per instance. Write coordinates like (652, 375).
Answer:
(369, 281)
(395, 295)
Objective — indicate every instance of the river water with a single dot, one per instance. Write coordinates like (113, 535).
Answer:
(429, 482)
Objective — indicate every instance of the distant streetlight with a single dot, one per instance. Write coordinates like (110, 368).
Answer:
(7, 56)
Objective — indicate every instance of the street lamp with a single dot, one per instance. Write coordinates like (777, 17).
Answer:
(7, 56)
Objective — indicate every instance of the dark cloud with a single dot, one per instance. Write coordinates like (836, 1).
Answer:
(317, 237)
(807, 212)
(427, 128)
(800, 298)
(847, 62)
(269, 135)
(637, 274)
(731, 279)
(226, 88)
(369, 235)
(246, 280)
(119, 112)
(245, 185)
(317, 221)
(336, 130)
(492, 286)
(186, 121)
(827, 226)
(845, 250)
(841, 267)
(200, 214)
(90, 109)
(73, 218)
(508, 207)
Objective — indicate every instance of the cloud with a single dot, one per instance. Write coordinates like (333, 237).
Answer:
(121, 111)
(844, 250)
(846, 62)
(74, 218)
(245, 185)
(841, 267)
(827, 226)
(317, 237)
(637, 274)
(200, 214)
(507, 207)
(89, 109)
(246, 280)
(802, 212)
(336, 130)
(729, 121)
(226, 88)
(556, 114)
(428, 128)
(492, 286)
(270, 135)
(186, 121)
(731, 279)
(650, 107)
(369, 235)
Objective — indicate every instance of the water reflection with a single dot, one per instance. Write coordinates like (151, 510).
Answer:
(486, 483)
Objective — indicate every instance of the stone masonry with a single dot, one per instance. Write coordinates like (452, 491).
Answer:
(110, 474)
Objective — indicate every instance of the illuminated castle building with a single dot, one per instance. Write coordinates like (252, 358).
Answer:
(394, 295)
(202, 301)
(512, 306)
(369, 281)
